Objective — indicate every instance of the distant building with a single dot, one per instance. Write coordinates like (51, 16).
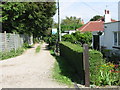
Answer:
(68, 32)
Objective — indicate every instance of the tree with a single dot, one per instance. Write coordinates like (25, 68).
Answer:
(70, 23)
(95, 18)
(28, 17)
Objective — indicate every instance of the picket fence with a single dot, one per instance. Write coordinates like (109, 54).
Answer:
(9, 41)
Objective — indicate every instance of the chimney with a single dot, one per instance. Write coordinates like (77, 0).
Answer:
(107, 16)
(105, 11)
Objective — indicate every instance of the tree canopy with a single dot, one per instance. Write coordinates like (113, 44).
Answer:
(95, 18)
(70, 23)
(27, 17)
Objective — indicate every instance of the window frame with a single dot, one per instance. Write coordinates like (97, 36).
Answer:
(118, 39)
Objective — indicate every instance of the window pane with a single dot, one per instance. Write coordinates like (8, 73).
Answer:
(119, 38)
(115, 38)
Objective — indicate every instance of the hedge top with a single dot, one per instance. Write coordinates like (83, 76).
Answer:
(74, 47)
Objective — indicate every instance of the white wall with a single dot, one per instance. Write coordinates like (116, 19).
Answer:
(107, 39)
(119, 11)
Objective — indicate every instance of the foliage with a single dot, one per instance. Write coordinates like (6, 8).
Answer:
(83, 38)
(95, 18)
(70, 23)
(51, 40)
(12, 53)
(79, 38)
(36, 40)
(26, 45)
(106, 75)
(69, 38)
(37, 49)
(27, 17)
(62, 72)
(73, 55)
(101, 73)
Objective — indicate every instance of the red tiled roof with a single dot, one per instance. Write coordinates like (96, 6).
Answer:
(92, 26)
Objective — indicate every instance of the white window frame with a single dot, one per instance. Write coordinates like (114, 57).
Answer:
(118, 44)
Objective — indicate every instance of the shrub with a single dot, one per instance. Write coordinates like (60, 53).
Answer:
(78, 38)
(69, 38)
(73, 54)
(51, 40)
(100, 71)
(83, 38)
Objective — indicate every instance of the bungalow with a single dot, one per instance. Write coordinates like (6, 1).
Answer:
(97, 28)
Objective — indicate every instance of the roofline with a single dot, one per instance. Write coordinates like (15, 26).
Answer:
(111, 22)
(88, 24)
(85, 26)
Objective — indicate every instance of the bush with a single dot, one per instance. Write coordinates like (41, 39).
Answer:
(69, 38)
(73, 54)
(36, 40)
(83, 38)
(51, 40)
(100, 71)
(78, 38)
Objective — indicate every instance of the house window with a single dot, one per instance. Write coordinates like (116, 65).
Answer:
(117, 38)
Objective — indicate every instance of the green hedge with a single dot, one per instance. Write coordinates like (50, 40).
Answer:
(74, 55)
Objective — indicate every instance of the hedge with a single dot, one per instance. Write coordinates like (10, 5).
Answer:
(74, 55)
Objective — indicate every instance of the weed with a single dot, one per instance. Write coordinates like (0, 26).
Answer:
(38, 49)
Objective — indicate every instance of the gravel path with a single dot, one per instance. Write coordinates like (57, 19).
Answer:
(29, 70)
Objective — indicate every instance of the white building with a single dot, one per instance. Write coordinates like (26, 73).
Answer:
(111, 36)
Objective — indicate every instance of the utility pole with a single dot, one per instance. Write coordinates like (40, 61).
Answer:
(59, 27)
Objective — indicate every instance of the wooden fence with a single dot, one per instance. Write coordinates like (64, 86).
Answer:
(9, 41)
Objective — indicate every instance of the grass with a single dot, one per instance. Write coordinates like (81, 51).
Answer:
(12, 53)
(37, 49)
(59, 76)
(62, 72)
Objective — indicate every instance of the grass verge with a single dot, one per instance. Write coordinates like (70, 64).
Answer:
(12, 53)
(37, 49)
(61, 71)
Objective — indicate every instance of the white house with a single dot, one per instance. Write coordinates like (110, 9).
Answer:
(111, 35)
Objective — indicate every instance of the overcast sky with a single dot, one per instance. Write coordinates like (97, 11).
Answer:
(86, 9)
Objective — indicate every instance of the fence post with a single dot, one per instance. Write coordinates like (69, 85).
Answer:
(86, 65)
(14, 41)
(5, 40)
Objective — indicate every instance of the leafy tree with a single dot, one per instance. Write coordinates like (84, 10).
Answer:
(70, 23)
(28, 17)
(95, 18)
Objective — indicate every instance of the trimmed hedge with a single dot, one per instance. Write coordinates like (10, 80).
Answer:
(74, 55)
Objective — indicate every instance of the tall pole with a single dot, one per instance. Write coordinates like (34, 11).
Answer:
(59, 28)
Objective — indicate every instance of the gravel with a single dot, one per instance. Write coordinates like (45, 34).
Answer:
(30, 70)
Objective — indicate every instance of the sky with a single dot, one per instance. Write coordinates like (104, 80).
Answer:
(86, 9)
